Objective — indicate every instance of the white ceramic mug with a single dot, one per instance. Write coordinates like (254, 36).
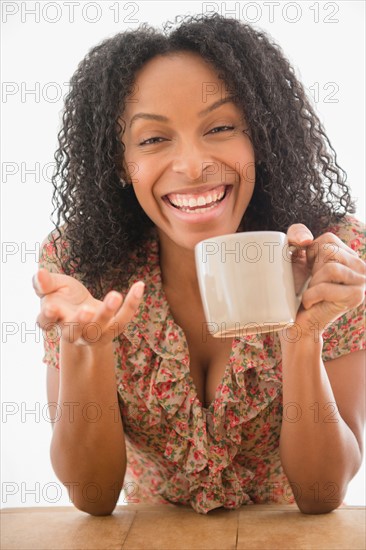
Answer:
(246, 283)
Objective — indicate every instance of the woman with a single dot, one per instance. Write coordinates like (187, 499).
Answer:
(169, 139)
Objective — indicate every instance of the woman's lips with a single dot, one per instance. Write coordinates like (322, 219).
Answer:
(189, 201)
(200, 213)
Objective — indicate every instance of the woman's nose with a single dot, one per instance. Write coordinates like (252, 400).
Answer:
(191, 161)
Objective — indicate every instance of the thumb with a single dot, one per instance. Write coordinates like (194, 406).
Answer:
(45, 281)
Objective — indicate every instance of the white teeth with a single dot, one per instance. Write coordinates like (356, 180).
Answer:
(198, 210)
(209, 201)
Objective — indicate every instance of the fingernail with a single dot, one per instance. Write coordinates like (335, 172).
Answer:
(303, 236)
(84, 314)
(111, 301)
(49, 311)
(139, 289)
(36, 282)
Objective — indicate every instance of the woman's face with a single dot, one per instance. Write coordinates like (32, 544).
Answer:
(189, 160)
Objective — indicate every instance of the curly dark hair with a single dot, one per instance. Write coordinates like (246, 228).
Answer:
(298, 179)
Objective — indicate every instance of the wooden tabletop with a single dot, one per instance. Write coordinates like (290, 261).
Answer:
(173, 527)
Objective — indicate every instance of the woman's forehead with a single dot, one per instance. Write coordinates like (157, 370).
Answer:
(178, 79)
(183, 69)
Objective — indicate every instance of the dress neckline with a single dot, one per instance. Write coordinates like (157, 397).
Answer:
(154, 322)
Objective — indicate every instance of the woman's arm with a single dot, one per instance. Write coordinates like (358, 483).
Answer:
(88, 451)
(323, 416)
(324, 409)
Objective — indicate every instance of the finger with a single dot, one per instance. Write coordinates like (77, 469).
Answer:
(321, 253)
(340, 296)
(109, 316)
(103, 315)
(129, 307)
(328, 239)
(50, 313)
(299, 237)
(37, 286)
(45, 282)
(299, 234)
(329, 245)
(336, 272)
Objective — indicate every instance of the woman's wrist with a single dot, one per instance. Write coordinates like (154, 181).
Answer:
(299, 335)
(94, 354)
(297, 342)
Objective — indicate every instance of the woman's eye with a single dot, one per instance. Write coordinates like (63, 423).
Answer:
(153, 140)
(146, 141)
(221, 128)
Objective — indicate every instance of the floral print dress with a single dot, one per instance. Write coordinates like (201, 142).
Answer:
(225, 455)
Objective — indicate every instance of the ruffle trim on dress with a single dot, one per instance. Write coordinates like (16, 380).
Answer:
(203, 442)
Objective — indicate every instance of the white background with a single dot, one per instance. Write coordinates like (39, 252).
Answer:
(323, 40)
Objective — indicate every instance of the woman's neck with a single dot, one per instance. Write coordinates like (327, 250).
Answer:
(178, 268)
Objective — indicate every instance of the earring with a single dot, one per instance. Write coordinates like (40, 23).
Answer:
(123, 183)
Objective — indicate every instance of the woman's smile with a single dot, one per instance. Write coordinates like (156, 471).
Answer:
(199, 207)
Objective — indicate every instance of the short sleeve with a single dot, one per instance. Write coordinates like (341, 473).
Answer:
(347, 333)
(51, 337)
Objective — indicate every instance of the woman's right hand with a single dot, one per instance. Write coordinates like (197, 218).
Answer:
(82, 319)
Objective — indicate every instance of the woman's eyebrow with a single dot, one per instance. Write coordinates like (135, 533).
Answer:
(161, 118)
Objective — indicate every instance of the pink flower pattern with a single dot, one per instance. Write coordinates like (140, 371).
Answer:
(225, 455)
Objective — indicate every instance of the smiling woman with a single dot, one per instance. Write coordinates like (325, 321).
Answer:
(169, 139)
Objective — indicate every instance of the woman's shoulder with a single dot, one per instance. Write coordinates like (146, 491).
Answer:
(55, 255)
(53, 248)
(352, 232)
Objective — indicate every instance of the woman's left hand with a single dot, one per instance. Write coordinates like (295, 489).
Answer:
(337, 278)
